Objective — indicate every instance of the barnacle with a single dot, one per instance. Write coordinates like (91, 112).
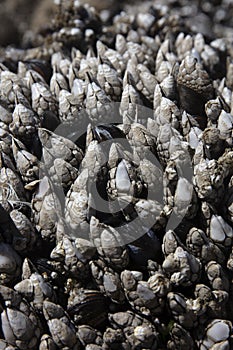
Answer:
(116, 179)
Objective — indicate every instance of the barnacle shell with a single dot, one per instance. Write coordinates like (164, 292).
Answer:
(116, 178)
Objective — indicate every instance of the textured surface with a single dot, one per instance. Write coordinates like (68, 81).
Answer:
(116, 179)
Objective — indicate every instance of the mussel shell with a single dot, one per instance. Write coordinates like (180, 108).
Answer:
(194, 104)
(107, 132)
(49, 120)
(41, 67)
(91, 309)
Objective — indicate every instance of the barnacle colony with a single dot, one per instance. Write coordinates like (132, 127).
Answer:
(117, 180)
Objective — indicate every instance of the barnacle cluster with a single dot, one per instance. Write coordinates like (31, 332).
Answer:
(116, 179)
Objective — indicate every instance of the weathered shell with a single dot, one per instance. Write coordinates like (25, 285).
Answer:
(97, 102)
(55, 146)
(181, 310)
(213, 109)
(16, 314)
(169, 141)
(60, 326)
(209, 304)
(152, 212)
(25, 241)
(47, 343)
(184, 44)
(191, 130)
(202, 247)
(167, 113)
(46, 209)
(109, 244)
(42, 99)
(36, 290)
(145, 336)
(11, 84)
(5, 115)
(63, 173)
(226, 161)
(140, 295)
(217, 277)
(218, 335)
(124, 179)
(213, 143)
(76, 206)
(147, 80)
(78, 91)
(120, 44)
(220, 231)
(73, 257)
(27, 163)
(58, 83)
(108, 281)
(168, 87)
(24, 123)
(225, 123)
(12, 193)
(208, 179)
(64, 64)
(68, 105)
(89, 335)
(31, 77)
(113, 56)
(6, 346)
(130, 100)
(180, 338)
(109, 81)
(182, 267)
